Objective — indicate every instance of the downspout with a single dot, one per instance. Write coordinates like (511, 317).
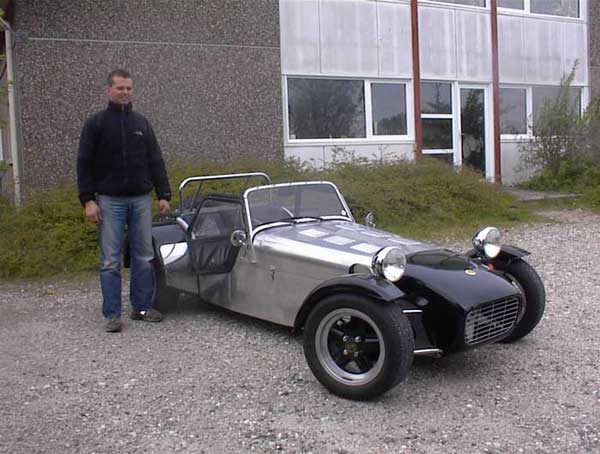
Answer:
(416, 63)
(496, 92)
(12, 110)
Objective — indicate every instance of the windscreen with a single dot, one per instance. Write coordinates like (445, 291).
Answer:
(289, 202)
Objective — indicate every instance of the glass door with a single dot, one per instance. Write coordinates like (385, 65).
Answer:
(473, 128)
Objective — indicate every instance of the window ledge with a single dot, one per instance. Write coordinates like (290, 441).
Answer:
(442, 4)
(361, 141)
(512, 138)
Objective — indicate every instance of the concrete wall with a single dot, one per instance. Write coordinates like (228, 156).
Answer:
(207, 74)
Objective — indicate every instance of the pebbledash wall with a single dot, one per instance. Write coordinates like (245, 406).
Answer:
(207, 74)
(310, 79)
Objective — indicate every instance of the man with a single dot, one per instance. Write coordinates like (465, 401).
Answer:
(118, 165)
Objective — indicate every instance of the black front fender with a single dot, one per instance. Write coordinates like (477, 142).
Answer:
(507, 254)
(369, 285)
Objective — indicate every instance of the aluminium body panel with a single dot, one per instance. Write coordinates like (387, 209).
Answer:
(272, 279)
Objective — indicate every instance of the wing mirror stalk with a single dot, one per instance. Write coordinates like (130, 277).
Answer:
(183, 225)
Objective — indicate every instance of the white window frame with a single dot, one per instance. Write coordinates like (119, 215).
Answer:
(527, 10)
(2, 144)
(529, 105)
(451, 116)
(445, 4)
(408, 95)
(369, 138)
(487, 119)
(528, 109)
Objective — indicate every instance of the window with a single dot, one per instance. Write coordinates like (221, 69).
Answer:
(465, 2)
(388, 109)
(437, 134)
(519, 106)
(513, 111)
(436, 118)
(346, 109)
(326, 108)
(512, 4)
(436, 98)
(569, 8)
(543, 94)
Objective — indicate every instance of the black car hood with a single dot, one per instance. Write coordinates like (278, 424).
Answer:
(456, 278)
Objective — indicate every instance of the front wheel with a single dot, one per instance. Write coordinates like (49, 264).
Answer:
(534, 294)
(356, 347)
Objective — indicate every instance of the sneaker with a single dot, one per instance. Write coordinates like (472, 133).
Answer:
(151, 315)
(113, 325)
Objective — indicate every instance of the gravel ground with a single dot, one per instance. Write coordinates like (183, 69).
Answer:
(207, 381)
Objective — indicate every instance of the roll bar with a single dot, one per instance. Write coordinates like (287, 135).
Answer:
(202, 179)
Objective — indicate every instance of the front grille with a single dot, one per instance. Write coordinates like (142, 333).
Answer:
(491, 320)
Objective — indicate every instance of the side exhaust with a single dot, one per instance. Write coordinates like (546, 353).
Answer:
(431, 352)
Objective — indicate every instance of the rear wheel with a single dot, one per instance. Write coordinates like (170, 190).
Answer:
(356, 347)
(164, 298)
(534, 294)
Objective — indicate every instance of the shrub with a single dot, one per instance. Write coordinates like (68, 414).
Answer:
(566, 148)
(48, 235)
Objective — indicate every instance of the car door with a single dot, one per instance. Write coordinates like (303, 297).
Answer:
(209, 240)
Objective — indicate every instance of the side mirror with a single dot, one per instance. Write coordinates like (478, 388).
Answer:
(238, 238)
(369, 220)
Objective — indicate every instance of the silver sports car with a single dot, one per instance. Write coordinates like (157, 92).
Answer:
(366, 300)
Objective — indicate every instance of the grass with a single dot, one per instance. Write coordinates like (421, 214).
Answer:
(425, 200)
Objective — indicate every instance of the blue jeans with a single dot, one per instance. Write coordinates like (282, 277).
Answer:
(136, 213)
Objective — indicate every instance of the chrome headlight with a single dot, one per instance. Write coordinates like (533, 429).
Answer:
(390, 263)
(487, 242)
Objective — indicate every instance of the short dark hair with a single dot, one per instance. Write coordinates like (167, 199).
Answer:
(120, 72)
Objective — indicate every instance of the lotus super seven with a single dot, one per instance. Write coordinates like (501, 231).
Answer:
(366, 300)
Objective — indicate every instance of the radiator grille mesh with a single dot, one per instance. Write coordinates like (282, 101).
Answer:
(491, 320)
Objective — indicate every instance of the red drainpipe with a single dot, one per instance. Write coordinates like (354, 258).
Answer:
(416, 79)
(496, 92)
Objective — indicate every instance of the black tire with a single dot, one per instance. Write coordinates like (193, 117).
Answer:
(165, 299)
(362, 368)
(535, 298)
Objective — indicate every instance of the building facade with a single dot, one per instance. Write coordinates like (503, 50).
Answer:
(358, 56)
(316, 80)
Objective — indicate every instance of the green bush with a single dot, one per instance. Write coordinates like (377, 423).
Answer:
(566, 146)
(49, 235)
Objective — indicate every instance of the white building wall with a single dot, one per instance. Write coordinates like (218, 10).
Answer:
(357, 38)
(347, 38)
(300, 39)
(539, 51)
(348, 31)
(437, 43)
(455, 44)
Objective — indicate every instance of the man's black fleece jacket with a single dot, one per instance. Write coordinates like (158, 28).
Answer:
(119, 156)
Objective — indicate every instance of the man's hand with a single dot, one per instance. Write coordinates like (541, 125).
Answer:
(92, 212)
(163, 206)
